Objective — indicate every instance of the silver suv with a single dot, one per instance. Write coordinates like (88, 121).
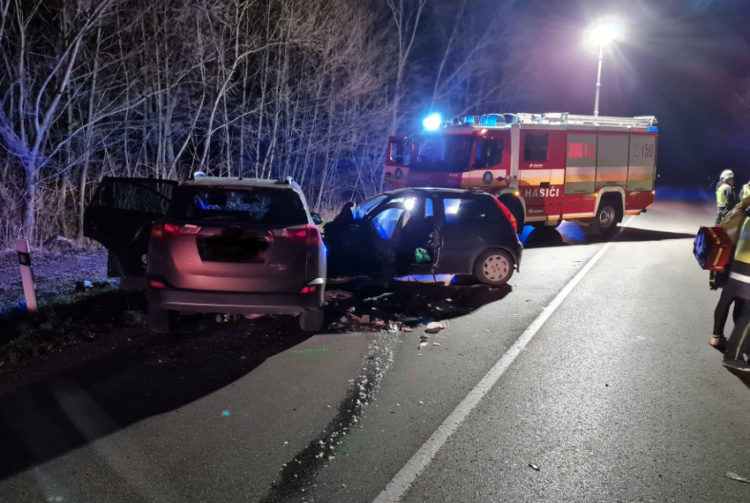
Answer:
(225, 245)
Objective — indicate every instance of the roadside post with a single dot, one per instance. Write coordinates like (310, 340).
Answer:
(27, 275)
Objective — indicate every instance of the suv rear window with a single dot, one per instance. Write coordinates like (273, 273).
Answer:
(252, 205)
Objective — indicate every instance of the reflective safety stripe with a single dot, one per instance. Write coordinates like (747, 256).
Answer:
(578, 215)
(740, 277)
(721, 195)
(741, 344)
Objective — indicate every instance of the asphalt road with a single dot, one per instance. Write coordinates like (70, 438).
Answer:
(615, 397)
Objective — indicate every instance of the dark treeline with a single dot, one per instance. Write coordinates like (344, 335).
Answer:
(274, 88)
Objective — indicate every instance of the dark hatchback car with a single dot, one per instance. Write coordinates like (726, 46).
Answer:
(213, 245)
(420, 231)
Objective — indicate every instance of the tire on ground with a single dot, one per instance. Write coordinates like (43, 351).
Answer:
(161, 321)
(494, 267)
(311, 321)
(515, 207)
(608, 215)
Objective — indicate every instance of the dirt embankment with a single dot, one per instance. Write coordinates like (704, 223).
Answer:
(55, 273)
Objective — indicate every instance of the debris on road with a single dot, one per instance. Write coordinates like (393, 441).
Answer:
(332, 295)
(378, 297)
(738, 478)
(534, 467)
(83, 285)
(434, 327)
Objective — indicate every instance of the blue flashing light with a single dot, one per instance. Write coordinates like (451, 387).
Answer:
(469, 119)
(432, 122)
(489, 120)
(653, 129)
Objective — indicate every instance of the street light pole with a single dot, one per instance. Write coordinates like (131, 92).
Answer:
(598, 80)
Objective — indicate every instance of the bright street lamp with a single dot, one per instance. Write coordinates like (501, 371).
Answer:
(602, 34)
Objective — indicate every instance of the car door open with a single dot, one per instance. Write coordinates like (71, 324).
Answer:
(119, 217)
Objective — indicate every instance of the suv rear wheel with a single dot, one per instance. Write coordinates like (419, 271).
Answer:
(494, 267)
(311, 321)
(161, 321)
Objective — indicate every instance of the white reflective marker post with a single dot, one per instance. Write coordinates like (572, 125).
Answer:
(27, 275)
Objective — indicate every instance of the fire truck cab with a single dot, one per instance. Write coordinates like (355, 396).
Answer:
(545, 168)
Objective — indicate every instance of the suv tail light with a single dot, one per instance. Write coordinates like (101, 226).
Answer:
(165, 229)
(508, 214)
(308, 235)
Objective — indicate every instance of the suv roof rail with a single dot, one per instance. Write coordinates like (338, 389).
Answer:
(288, 181)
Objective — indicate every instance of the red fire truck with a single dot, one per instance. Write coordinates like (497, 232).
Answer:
(545, 168)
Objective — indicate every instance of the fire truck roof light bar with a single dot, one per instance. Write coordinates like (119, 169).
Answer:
(504, 120)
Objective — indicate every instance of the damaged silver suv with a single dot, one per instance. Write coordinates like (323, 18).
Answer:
(220, 245)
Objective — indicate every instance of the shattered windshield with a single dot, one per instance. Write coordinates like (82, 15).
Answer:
(444, 153)
(270, 207)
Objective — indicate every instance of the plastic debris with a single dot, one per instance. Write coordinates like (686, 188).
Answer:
(224, 413)
(435, 343)
(738, 478)
(434, 327)
(534, 467)
(378, 297)
(420, 402)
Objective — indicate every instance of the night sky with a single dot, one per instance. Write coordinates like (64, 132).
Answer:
(683, 61)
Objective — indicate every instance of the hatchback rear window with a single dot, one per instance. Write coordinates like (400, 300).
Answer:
(252, 205)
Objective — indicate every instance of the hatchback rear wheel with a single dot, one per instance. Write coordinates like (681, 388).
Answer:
(494, 267)
(311, 321)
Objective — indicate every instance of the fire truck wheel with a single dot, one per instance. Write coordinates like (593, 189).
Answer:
(515, 207)
(494, 267)
(605, 221)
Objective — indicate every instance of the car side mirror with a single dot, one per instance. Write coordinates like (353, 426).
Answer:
(317, 220)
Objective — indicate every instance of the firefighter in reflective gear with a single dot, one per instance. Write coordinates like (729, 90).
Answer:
(738, 284)
(745, 191)
(726, 194)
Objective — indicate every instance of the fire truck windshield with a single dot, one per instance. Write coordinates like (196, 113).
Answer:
(436, 152)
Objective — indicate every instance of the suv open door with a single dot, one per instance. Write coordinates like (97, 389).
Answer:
(119, 217)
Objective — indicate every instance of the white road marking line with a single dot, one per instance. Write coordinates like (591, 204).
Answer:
(404, 479)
